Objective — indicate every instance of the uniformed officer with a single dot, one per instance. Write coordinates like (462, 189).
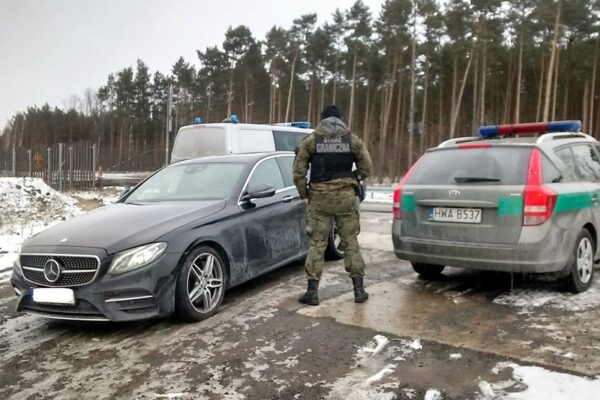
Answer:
(330, 194)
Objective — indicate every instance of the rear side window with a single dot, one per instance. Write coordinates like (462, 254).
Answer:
(586, 160)
(566, 156)
(550, 173)
(484, 166)
(287, 141)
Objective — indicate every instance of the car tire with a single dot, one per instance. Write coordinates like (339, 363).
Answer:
(333, 250)
(428, 271)
(200, 286)
(580, 266)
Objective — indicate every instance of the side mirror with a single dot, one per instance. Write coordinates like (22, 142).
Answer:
(258, 192)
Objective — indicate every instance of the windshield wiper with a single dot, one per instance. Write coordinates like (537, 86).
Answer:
(467, 179)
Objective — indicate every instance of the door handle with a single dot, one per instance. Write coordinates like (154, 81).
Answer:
(287, 199)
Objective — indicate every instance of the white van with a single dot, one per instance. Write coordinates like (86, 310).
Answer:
(231, 138)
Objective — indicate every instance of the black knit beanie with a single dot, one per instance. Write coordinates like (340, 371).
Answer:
(331, 111)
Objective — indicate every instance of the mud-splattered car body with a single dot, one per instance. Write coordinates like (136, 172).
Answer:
(517, 204)
(243, 235)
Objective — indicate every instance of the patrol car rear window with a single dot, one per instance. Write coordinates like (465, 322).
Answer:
(199, 142)
(479, 166)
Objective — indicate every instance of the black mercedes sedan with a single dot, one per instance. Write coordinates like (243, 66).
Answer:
(172, 244)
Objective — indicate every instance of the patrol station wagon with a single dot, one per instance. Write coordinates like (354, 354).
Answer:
(518, 198)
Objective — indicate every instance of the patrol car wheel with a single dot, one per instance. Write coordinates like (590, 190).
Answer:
(581, 264)
(428, 271)
(334, 242)
(200, 286)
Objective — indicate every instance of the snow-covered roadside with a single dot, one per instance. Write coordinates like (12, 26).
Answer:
(28, 206)
(103, 196)
(537, 383)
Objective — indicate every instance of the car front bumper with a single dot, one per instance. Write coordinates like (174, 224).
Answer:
(147, 292)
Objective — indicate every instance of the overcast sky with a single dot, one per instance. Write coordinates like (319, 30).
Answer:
(50, 50)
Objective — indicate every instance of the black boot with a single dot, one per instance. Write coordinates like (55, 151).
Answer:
(360, 296)
(311, 297)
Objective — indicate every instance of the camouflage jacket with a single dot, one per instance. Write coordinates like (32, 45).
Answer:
(333, 127)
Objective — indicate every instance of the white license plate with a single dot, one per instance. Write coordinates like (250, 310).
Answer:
(54, 296)
(460, 215)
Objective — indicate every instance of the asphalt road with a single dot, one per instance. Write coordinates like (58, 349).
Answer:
(410, 337)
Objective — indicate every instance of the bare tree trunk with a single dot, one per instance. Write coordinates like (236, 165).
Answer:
(593, 91)
(246, 99)
(387, 106)
(441, 111)
(508, 94)
(367, 104)
(555, 90)
(352, 87)
(462, 89)
(310, 97)
(483, 83)
(519, 78)
(413, 67)
(335, 72)
(551, 63)
(321, 100)
(540, 92)
(289, 99)
(397, 154)
(474, 113)
(566, 98)
(424, 115)
(454, 85)
(586, 104)
(229, 94)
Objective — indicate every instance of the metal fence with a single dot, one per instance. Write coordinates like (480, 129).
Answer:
(62, 166)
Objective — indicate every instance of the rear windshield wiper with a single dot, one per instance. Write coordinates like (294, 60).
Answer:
(466, 179)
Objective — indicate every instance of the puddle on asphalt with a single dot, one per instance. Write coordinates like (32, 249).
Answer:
(463, 317)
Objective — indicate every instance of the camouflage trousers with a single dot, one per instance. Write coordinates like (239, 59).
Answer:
(325, 208)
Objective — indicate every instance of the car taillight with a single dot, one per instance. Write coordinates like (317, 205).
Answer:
(397, 208)
(539, 200)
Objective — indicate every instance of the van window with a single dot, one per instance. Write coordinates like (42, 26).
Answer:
(287, 141)
(199, 141)
(254, 140)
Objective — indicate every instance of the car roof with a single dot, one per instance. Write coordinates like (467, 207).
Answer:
(234, 158)
(248, 126)
(547, 140)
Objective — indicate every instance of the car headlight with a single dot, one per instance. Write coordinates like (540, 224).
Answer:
(137, 257)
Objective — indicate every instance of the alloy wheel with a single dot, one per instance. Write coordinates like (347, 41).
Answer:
(205, 282)
(585, 260)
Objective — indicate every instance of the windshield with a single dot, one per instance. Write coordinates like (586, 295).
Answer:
(208, 181)
(199, 142)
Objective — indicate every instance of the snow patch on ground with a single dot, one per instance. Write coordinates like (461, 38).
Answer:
(28, 206)
(373, 363)
(433, 394)
(537, 383)
(535, 298)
